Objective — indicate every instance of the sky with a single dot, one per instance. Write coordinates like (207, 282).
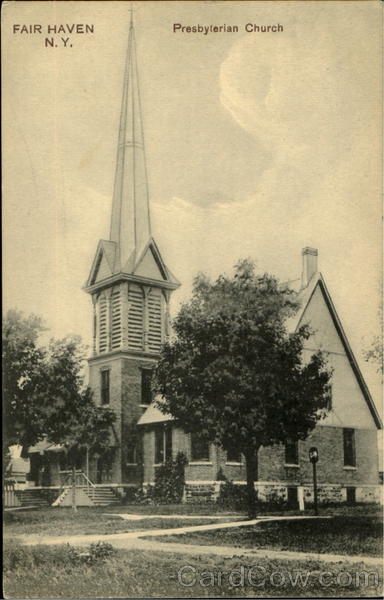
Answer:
(258, 144)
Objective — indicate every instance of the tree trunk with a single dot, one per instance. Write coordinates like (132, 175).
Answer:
(74, 507)
(251, 465)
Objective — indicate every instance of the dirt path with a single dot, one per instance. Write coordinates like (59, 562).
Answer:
(133, 540)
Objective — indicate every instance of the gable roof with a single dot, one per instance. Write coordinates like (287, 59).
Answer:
(153, 414)
(152, 250)
(148, 265)
(106, 251)
(294, 322)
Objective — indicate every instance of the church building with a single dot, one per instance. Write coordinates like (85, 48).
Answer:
(131, 286)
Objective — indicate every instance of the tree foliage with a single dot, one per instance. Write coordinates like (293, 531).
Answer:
(44, 394)
(235, 374)
(374, 354)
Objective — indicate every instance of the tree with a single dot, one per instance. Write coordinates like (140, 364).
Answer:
(234, 374)
(374, 353)
(44, 393)
(71, 417)
(23, 376)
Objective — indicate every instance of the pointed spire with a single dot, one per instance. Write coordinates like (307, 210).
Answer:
(130, 221)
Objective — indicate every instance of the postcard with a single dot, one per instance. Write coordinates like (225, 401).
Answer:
(192, 283)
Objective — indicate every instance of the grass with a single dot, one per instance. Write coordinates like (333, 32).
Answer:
(206, 508)
(63, 521)
(58, 572)
(351, 535)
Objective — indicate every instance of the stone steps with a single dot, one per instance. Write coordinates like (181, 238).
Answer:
(32, 497)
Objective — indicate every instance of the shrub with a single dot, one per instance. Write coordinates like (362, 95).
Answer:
(144, 495)
(220, 475)
(170, 480)
(232, 496)
(29, 557)
(98, 552)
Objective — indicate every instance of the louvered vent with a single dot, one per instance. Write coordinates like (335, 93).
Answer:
(116, 320)
(103, 331)
(154, 321)
(135, 318)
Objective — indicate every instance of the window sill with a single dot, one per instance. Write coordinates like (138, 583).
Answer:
(144, 405)
(292, 465)
(200, 462)
(233, 463)
(349, 468)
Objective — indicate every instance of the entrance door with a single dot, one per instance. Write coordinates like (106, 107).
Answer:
(103, 470)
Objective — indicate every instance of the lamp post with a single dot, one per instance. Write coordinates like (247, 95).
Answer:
(314, 457)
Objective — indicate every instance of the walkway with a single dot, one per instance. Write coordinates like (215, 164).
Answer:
(132, 540)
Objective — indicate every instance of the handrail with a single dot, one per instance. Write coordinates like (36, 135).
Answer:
(88, 480)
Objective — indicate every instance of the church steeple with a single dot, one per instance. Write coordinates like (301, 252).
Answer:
(131, 288)
(131, 251)
(129, 282)
(130, 220)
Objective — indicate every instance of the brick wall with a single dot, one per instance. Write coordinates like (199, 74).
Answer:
(330, 468)
(272, 468)
(125, 399)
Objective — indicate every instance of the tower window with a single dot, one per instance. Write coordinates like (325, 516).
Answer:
(349, 447)
(146, 388)
(103, 331)
(199, 448)
(135, 318)
(131, 452)
(105, 387)
(154, 321)
(163, 444)
(115, 319)
(292, 452)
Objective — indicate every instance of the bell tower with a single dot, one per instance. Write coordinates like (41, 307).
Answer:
(130, 286)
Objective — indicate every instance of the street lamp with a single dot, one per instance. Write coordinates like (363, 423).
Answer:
(314, 457)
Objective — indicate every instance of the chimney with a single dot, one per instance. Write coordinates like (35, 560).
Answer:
(309, 265)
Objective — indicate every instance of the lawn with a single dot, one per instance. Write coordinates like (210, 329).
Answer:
(202, 508)
(63, 521)
(351, 535)
(61, 572)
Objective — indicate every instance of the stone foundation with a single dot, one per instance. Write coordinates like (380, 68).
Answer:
(196, 492)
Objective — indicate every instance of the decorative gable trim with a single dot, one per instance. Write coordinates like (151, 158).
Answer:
(152, 247)
(319, 282)
(105, 249)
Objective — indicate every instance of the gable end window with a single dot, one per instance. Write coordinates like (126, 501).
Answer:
(199, 448)
(105, 387)
(146, 388)
(349, 448)
(292, 452)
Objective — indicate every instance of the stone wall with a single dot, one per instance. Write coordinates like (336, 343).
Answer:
(276, 491)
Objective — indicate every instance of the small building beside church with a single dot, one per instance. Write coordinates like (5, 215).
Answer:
(131, 285)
